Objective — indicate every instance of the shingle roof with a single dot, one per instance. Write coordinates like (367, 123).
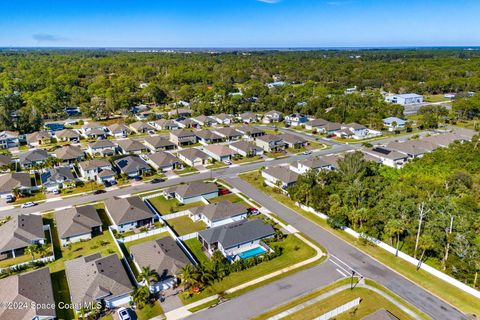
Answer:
(386, 153)
(245, 129)
(117, 127)
(32, 289)
(245, 146)
(193, 189)
(158, 141)
(182, 133)
(130, 145)
(412, 147)
(228, 132)
(315, 163)
(163, 159)
(316, 123)
(219, 210)
(39, 135)
(77, 221)
(162, 255)
(57, 174)
(12, 180)
(204, 119)
(237, 233)
(293, 139)
(94, 277)
(131, 164)
(94, 163)
(139, 125)
(220, 150)
(282, 173)
(69, 152)
(67, 133)
(207, 135)
(20, 231)
(101, 144)
(124, 210)
(193, 153)
(5, 159)
(270, 137)
(32, 156)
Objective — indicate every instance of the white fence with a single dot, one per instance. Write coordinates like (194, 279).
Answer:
(142, 235)
(437, 273)
(16, 266)
(188, 236)
(152, 195)
(175, 215)
(335, 312)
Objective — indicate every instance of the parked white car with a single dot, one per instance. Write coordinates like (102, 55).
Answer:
(28, 204)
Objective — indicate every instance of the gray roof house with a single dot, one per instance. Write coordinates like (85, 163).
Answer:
(388, 157)
(234, 238)
(95, 278)
(67, 135)
(10, 181)
(294, 141)
(165, 124)
(130, 146)
(220, 152)
(280, 175)
(317, 163)
(192, 192)
(32, 289)
(271, 142)
(228, 133)
(246, 149)
(132, 165)
(69, 154)
(206, 121)
(183, 137)
(101, 148)
(9, 139)
(163, 161)
(250, 131)
(247, 117)
(77, 223)
(193, 156)
(33, 157)
(141, 127)
(207, 136)
(118, 130)
(128, 213)
(158, 143)
(20, 232)
(96, 169)
(39, 137)
(162, 255)
(272, 116)
(5, 161)
(57, 178)
(218, 213)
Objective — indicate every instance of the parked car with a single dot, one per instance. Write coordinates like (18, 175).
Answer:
(306, 152)
(137, 178)
(56, 191)
(10, 199)
(99, 191)
(29, 204)
(253, 211)
(227, 162)
(224, 192)
(123, 314)
(157, 180)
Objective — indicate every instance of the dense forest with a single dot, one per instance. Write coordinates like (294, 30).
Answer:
(39, 84)
(429, 209)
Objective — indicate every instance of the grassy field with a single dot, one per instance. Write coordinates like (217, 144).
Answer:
(165, 206)
(294, 251)
(463, 301)
(184, 225)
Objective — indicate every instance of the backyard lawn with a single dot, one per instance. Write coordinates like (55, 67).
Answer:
(184, 225)
(294, 251)
(167, 206)
(232, 197)
(195, 248)
(146, 239)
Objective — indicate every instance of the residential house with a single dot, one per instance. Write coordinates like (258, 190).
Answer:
(163, 161)
(5, 163)
(97, 279)
(330, 128)
(33, 158)
(193, 157)
(101, 148)
(118, 130)
(246, 149)
(186, 123)
(247, 117)
(192, 192)
(315, 124)
(271, 143)
(18, 233)
(162, 255)
(250, 132)
(141, 127)
(128, 213)
(354, 130)
(228, 133)
(295, 119)
(69, 154)
(272, 116)
(93, 130)
(9, 139)
(388, 157)
(236, 238)
(223, 118)
(219, 213)
(57, 178)
(158, 143)
(294, 141)
(31, 293)
(207, 136)
(131, 146)
(183, 137)
(12, 181)
(412, 148)
(405, 99)
(132, 166)
(165, 124)
(97, 170)
(394, 123)
(219, 152)
(317, 163)
(181, 112)
(39, 138)
(142, 116)
(68, 135)
(205, 121)
(280, 176)
(77, 224)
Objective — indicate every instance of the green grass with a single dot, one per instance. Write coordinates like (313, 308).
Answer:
(216, 165)
(203, 305)
(149, 311)
(195, 248)
(35, 196)
(247, 159)
(130, 244)
(232, 197)
(184, 225)
(458, 298)
(275, 155)
(61, 293)
(88, 186)
(185, 170)
(294, 251)
(165, 206)
(435, 98)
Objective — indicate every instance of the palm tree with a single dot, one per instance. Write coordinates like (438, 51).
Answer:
(42, 250)
(394, 228)
(148, 275)
(140, 296)
(32, 250)
(205, 276)
(188, 274)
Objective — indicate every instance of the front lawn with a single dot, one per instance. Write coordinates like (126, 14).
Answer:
(247, 159)
(167, 206)
(216, 165)
(184, 225)
(35, 196)
(294, 251)
(186, 170)
(149, 311)
(275, 155)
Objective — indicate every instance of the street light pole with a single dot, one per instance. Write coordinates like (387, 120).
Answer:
(351, 279)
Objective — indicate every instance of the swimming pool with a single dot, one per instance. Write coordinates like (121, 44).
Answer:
(251, 253)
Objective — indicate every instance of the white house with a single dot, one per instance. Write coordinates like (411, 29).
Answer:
(77, 224)
(280, 176)
(394, 123)
(219, 213)
(192, 192)
(405, 99)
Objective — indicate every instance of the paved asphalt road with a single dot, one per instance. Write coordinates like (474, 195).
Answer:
(337, 247)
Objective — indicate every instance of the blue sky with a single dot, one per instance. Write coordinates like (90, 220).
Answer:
(239, 23)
